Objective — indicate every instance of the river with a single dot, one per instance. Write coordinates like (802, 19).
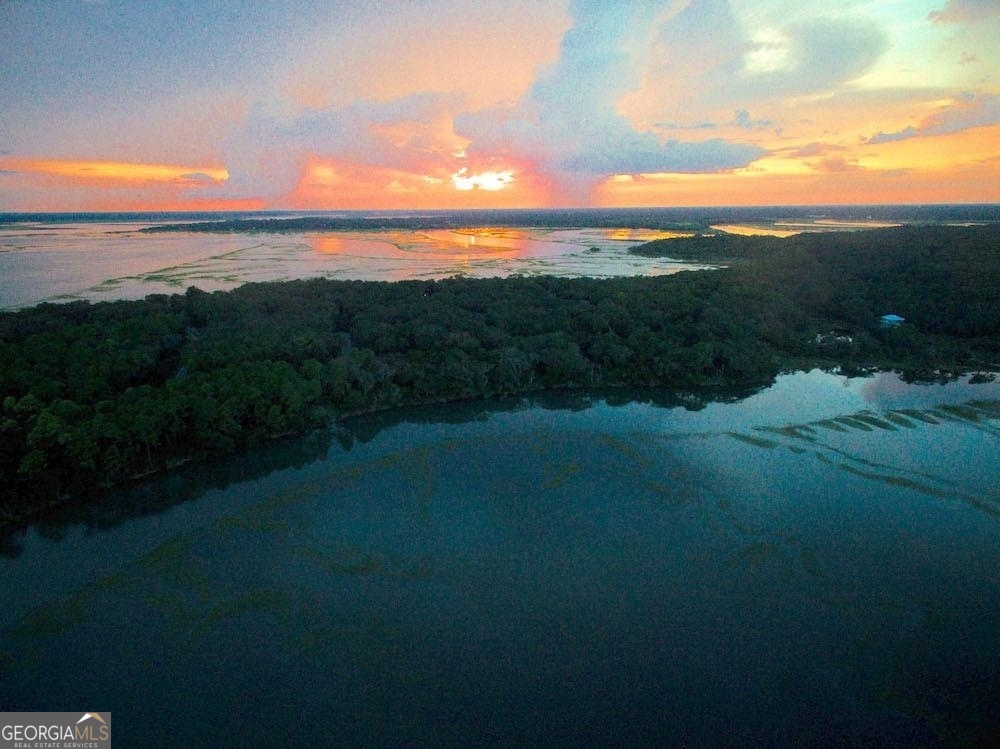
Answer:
(815, 563)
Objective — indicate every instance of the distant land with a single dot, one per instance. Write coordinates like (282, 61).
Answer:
(653, 218)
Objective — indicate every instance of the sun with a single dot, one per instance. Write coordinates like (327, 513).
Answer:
(491, 181)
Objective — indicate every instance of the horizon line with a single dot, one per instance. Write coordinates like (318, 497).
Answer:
(506, 209)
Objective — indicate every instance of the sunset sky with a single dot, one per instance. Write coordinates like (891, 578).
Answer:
(305, 104)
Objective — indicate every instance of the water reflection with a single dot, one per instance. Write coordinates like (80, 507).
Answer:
(110, 261)
(812, 560)
(188, 483)
(844, 437)
(790, 227)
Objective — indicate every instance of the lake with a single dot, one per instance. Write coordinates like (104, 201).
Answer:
(816, 563)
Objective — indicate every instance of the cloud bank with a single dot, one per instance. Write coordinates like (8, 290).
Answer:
(267, 154)
(568, 125)
(503, 103)
(565, 129)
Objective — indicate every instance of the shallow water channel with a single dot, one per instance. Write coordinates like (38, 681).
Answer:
(818, 562)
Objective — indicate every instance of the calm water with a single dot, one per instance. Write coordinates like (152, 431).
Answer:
(817, 564)
(102, 261)
(53, 257)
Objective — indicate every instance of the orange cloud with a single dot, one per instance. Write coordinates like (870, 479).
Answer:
(326, 183)
(115, 171)
(961, 168)
(490, 53)
(33, 184)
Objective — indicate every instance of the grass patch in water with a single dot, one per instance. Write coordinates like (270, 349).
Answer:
(874, 421)
(990, 408)
(172, 561)
(633, 454)
(898, 420)
(672, 495)
(830, 424)
(854, 423)
(964, 413)
(896, 481)
(795, 431)
(255, 523)
(922, 416)
(345, 560)
(756, 553)
(557, 476)
(53, 619)
(755, 441)
(415, 465)
(268, 600)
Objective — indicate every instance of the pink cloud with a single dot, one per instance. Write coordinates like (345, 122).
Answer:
(966, 11)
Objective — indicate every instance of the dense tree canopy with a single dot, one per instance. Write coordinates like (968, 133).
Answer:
(97, 394)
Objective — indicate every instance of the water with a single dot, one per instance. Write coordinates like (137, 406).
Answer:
(100, 260)
(815, 564)
(99, 257)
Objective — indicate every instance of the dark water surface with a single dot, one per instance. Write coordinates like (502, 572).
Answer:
(816, 564)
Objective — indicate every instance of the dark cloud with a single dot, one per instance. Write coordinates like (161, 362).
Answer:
(904, 134)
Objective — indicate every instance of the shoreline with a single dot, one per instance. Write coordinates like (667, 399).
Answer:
(98, 394)
(32, 514)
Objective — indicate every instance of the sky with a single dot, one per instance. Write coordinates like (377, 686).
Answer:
(419, 104)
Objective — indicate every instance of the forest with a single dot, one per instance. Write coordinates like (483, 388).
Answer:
(96, 395)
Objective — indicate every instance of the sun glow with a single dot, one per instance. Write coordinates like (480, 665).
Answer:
(491, 181)
(322, 175)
